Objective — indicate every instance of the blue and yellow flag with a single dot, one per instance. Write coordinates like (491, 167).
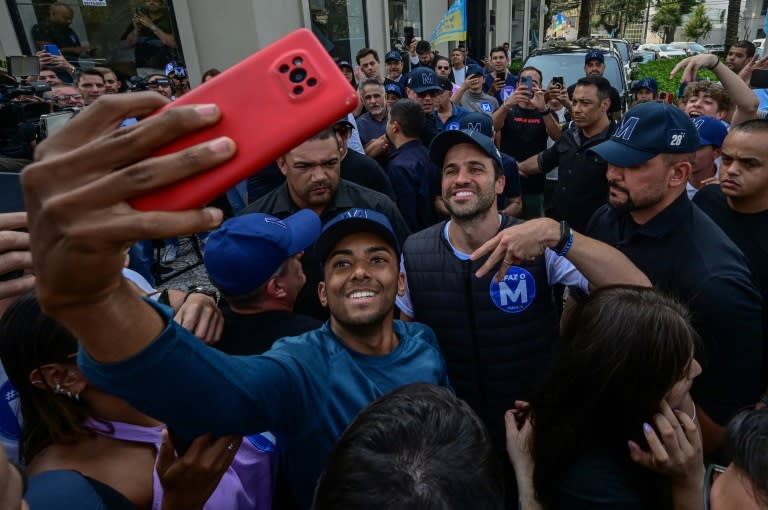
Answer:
(452, 26)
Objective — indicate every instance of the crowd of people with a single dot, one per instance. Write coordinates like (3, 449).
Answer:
(479, 289)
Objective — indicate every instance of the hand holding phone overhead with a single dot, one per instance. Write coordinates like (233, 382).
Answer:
(270, 102)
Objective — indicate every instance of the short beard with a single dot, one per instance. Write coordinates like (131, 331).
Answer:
(625, 207)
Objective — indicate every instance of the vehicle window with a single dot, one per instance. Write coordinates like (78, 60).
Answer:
(623, 49)
(571, 67)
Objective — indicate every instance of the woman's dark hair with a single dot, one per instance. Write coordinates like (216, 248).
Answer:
(28, 340)
(747, 443)
(622, 350)
(417, 448)
(210, 73)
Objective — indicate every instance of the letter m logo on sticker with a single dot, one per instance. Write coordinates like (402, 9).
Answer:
(626, 129)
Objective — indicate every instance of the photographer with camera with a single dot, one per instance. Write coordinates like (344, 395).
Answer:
(21, 105)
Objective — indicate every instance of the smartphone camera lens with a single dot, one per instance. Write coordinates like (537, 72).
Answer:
(298, 75)
(284, 68)
(298, 90)
(312, 82)
(297, 61)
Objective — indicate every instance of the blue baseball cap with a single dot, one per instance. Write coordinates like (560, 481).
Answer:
(594, 55)
(393, 55)
(711, 131)
(244, 253)
(445, 83)
(476, 121)
(649, 129)
(353, 221)
(645, 83)
(474, 69)
(447, 139)
(393, 88)
(345, 63)
(423, 79)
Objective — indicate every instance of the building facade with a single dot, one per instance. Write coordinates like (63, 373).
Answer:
(219, 33)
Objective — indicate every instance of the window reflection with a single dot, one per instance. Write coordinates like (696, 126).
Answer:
(130, 36)
(340, 25)
(404, 23)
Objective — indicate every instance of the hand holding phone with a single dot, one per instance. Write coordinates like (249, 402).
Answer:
(759, 79)
(527, 82)
(293, 86)
(52, 49)
(558, 81)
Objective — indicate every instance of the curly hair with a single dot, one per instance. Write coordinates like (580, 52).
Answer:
(711, 89)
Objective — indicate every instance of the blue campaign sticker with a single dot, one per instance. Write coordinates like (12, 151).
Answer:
(486, 107)
(515, 292)
(9, 408)
(452, 126)
(507, 91)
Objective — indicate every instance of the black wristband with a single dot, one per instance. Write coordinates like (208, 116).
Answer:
(565, 234)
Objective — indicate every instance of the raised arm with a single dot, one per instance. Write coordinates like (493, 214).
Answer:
(80, 225)
(80, 222)
(745, 100)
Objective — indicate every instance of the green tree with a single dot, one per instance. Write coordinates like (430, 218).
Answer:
(616, 14)
(669, 16)
(698, 25)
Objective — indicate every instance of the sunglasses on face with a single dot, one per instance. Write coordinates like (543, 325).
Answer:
(429, 93)
(76, 97)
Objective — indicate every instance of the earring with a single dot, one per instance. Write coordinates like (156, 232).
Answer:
(57, 389)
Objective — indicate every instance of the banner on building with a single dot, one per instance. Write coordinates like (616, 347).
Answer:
(558, 22)
(452, 26)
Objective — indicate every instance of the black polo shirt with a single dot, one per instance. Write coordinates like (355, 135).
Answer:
(238, 337)
(750, 233)
(685, 254)
(581, 183)
(348, 195)
(523, 135)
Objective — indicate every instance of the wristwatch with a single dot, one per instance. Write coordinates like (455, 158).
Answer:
(203, 290)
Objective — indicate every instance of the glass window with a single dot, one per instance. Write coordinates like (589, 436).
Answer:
(130, 36)
(340, 25)
(404, 23)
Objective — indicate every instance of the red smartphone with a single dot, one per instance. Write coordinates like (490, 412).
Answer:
(270, 102)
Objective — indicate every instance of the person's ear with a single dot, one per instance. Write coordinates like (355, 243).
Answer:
(605, 105)
(275, 289)
(679, 173)
(282, 164)
(60, 378)
(322, 294)
(501, 181)
(401, 284)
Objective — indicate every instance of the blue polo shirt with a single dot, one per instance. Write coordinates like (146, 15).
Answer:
(509, 86)
(369, 128)
(452, 124)
(416, 181)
